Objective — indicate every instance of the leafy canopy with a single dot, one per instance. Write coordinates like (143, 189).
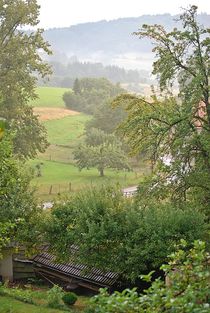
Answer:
(20, 64)
(187, 291)
(89, 93)
(174, 131)
(102, 151)
(118, 234)
(19, 213)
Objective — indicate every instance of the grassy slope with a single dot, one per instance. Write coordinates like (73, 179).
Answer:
(60, 175)
(67, 130)
(49, 97)
(57, 162)
(9, 305)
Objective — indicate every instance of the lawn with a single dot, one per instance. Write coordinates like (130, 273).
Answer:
(49, 97)
(9, 305)
(16, 301)
(66, 130)
(59, 175)
(67, 178)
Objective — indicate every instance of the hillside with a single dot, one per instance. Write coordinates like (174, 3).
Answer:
(110, 42)
(54, 170)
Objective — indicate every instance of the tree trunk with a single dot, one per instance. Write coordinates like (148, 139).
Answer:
(101, 172)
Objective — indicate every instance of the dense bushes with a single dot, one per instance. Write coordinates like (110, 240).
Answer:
(187, 292)
(102, 223)
(89, 93)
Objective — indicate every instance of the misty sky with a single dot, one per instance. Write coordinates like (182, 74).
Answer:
(61, 13)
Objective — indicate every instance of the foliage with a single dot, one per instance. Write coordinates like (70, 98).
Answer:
(101, 222)
(101, 151)
(175, 131)
(89, 93)
(54, 296)
(20, 65)
(187, 290)
(69, 298)
(106, 118)
(19, 213)
(6, 232)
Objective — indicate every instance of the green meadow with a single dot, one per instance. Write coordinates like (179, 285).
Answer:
(67, 130)
(58, 172)
(59, 178)
(50, 97)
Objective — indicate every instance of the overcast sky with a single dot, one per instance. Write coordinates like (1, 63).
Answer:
(61, 13)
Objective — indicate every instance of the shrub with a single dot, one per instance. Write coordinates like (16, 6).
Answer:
(69, 298)
(54, 296)
(187, 290)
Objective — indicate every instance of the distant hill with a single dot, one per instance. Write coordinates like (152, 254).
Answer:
(110, 42)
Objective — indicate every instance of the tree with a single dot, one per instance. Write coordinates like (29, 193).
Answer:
(106, 118)
(175, 130)
(20, 65)
(90, 93)
(101, 151)
(76, 87)
(19, 213)
(188, 290)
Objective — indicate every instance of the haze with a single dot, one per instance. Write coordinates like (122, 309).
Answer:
(63, 13)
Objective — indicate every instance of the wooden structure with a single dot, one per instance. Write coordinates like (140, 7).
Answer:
(73, 275)
(15, 265)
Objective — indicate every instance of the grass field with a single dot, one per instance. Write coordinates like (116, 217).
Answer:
(60, 178)
(49, 97)
(59, 175)
(66, 130)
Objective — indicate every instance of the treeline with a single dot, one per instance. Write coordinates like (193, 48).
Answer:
(65, 74)
(90, 93)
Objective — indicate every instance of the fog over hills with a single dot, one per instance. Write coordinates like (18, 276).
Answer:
(110, 42)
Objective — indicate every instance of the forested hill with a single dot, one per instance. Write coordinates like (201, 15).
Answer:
(100, 41)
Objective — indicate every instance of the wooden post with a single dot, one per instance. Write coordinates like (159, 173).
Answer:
(51, 187)
(69, 187)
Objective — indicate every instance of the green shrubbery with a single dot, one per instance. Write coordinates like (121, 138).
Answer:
(69, 298)
(187, 291)
(54, 297)
(103, 223)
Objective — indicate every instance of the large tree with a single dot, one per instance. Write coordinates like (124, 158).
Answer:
(20, 64)
(101, 151)
(174, 130)
(19, 212)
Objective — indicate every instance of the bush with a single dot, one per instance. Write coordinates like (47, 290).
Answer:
(187, 290)
(69, 298)
(54, 296)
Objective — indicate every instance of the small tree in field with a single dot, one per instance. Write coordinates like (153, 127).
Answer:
(101, 151)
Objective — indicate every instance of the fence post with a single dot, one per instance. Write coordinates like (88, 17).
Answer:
(69, 187)
(50, 192)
